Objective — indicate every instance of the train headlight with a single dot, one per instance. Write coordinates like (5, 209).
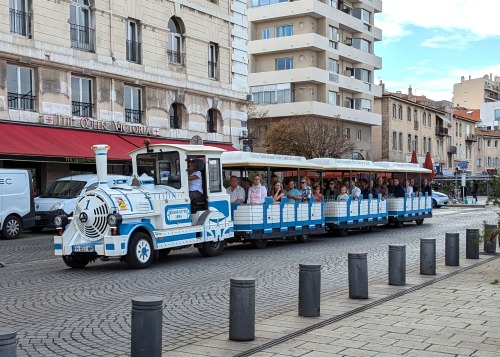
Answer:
(58, 221)
(114, 219)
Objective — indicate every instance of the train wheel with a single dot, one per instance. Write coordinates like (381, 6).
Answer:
(259, 243)
(140, 251)
(302, 238)
(75, 262)
(211, 249)
(420, 222)
(343, 232)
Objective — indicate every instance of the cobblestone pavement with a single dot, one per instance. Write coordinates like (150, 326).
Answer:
(59, 311)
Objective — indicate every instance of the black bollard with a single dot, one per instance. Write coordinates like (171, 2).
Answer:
(428, 256)
(146, 326)
(472, 243)
(309, 290)
(8, 343)
(358, 275)
(397, 264)
(242, 309)
(452, 249)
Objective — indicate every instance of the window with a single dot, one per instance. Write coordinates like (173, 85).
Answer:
(496, 143)
(81, 31)
(333, 65)
(333, 98)
(416, 144)
(175, 114)
(363, 104)
(81, 97)
(333, 36)
(415, 115)
(394, 140)
(133, 106)
(394, 111)
(361, 44)
(213, 54)
(400, 146)
(283, 31)
(488, 161)
(362, 74)
(478, 162)
(358, 135)
(284, 63)
(438, 147)
(488, 143)
(20, 17)
(275, 93)
(175, 42)
(424, 144)
(497, 114)
(429, 146)
(214, 170)
(408, 114)
(334, 4)
(20, 88)
(424, 119)
(347, 133)
(133, 42)
(212, 121)
(256, 3)
(400, 112)
(266, 34)
(456, 129)
(460, 130)
(409, 143)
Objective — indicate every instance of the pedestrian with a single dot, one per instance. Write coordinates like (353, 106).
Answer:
(475, 189)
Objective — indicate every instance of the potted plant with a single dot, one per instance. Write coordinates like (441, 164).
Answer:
(489, 236)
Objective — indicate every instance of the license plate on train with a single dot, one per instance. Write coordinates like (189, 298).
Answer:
(83, 249)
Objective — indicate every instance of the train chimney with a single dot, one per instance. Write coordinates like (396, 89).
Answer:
(101, 161)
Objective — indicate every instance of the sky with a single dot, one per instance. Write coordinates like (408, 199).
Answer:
(431, 44)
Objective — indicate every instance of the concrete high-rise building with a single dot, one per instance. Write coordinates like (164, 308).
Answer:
(83, 72)
(471, 93)
(315, 58)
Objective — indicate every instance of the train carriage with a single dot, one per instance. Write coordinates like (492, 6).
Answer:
(257, 223)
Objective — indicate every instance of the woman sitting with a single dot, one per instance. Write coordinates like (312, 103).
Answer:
(277, 192)
(343, 196)
(316, 194)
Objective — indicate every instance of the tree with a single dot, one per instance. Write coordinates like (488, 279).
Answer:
(308, 136)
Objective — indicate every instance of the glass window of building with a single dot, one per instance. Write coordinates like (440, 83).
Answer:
(266, 34)
(212, 121)
(20, 88)
(133, 105)
(175, 114)
(283, 63)
(333, 98)
(283, 31)
(20, 17)
(213, 54)
(133, 47)
(81, 31)
(81, 97)
(175, 42)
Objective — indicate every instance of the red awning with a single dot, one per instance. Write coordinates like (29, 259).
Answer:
(48, 142)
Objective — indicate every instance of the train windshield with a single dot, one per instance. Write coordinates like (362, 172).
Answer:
(163, 167)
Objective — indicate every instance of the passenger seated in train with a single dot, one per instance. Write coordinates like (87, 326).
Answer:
(305, 189)
(381, 188)
(399, 191)
(332, 191)
(278, 192)
(416, 189)
(291, 192)
(426, 188)
(316, 193)
(366, 190)
(235, 191)
(408, 188)
(355, 190)
(274, 179)
(343, 196)
(257, 193)
(195, 182)
(390, 186)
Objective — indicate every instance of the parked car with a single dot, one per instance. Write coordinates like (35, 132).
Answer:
(17, 208)
(439, 199)
(60, 198)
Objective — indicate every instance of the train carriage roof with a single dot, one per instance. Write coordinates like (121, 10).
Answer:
(252, 159)
(183, 147)
(347, 164)
(402, 167)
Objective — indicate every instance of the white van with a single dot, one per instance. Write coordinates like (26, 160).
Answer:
(17, 208)
(59, 199)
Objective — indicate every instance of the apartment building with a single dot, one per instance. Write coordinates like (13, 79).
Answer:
(471, 93)
(315, 58)
(115, 71)
(412, 123)
(464, 143)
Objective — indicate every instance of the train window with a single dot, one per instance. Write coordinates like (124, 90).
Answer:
(163, 167)
(215, 181)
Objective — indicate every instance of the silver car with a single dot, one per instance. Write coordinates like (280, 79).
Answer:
(439, 199)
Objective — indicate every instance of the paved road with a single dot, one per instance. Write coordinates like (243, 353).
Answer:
(59, 311)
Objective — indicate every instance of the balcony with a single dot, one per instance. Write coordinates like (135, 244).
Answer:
(20, 22)
(133, 51)
(452, 150)
(176, 57)
(81, 109)
(82, 38)
(440, 131)
(21, 101)
(471, 137)
(133, 116)
(213, 71)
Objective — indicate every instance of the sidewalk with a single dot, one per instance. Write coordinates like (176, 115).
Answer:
(453, 313)
(481, 203)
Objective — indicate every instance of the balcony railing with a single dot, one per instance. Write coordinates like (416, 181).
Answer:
(133, 116)
(175, 57)
(82, 109)
(441, 131)
(20, 22)
(471, 137)
(134, 51)
(452, 150)
(213, 71)
(82, 38)
(21, 101)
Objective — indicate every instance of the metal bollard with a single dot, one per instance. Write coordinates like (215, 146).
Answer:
(472, 243)
(146, 327)
(242, 309)
(397, 264)
(358, 275)
(309, 290)
(452, 249)
(8, 343)
(428, 256)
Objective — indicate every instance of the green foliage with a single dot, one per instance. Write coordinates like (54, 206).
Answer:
(494, 197)
(495, 282)
(489, 232)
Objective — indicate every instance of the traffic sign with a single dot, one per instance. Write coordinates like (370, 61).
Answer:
(462, 165)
